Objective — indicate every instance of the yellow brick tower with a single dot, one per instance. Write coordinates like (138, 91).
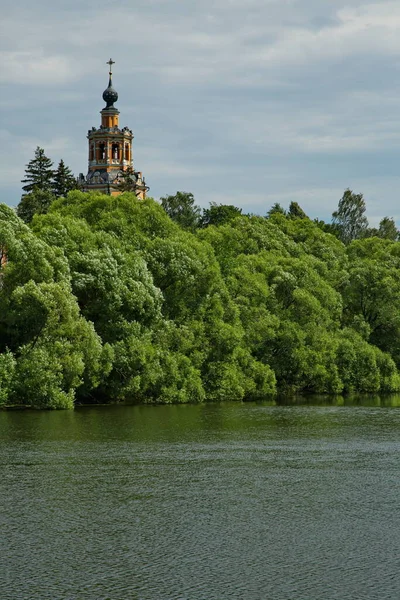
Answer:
(111, 169)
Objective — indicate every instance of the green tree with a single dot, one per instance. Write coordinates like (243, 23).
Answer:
(63, 181)
(36, 202)
(296, 212)
(7, 373)
(387, 229)
(39, 173)
(108, 298)
(350, 218)
(219, 214)
(288, 278)
(327, 227)
(50, 348)
(156, 294)
(371, 297)
(112, 284)
(371, 232)
(276, 209)
(182, 209)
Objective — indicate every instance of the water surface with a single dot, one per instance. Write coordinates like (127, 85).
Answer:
(212, 502)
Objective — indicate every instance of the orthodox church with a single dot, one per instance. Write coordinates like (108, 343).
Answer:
(111, 169)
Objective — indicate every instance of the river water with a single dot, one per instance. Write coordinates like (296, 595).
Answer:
(211, 502)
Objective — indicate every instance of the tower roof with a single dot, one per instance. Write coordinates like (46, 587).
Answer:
(110, 95)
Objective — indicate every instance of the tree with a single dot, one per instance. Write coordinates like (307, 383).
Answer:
(108, 299)
(39, 173)
(372, 292)
(182, 209)
(371, 232)
(48, 349)
(276, 208)
(63, 181)
(327, 227)
(387, 229)
(35, 203)
(296, 212)
(350, 218)
(7, 370)
(219, 214)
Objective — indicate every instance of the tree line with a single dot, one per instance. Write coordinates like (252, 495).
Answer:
(117, 299)
(349, 221)
(43, 184)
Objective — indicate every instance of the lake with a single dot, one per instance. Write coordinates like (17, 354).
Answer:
(209, 502)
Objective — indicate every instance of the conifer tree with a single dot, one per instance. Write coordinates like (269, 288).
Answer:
(39, 173)
(296, 212)
(63, 181)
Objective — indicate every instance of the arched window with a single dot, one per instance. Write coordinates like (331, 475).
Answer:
(126, 151)
(115, 151)
(101, 151)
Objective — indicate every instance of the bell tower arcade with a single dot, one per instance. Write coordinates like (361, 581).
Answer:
(111, 169)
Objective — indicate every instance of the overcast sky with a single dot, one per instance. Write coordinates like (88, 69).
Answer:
(244, 102)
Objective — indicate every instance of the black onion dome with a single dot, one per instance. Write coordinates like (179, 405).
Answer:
(110, 95)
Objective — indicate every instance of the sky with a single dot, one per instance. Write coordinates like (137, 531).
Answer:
(246, 102)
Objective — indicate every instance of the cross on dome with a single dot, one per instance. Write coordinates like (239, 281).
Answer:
(110, 95)
(110, 62)
(111, 168)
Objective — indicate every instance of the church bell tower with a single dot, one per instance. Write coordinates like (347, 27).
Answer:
(111, 170)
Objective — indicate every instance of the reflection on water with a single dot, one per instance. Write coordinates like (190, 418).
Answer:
(294, 500)
(388, 400)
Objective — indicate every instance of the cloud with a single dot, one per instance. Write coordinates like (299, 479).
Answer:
(35, 68)
(250, 100)
(22, 148)
(226, 42)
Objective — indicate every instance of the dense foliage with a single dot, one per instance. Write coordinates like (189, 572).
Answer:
(109, 299)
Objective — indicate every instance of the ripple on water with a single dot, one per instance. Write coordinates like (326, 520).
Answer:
(201, 503)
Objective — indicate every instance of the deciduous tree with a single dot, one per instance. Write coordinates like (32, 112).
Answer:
(388, 230)
(219, 214)
(276, 208)
(182, 209)
(36, 202)
(350, 218)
